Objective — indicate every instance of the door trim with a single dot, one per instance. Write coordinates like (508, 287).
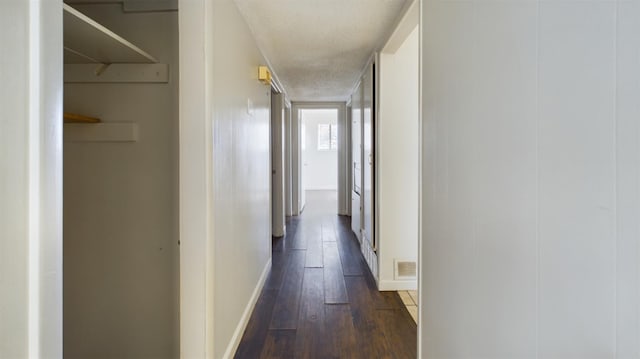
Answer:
(344, 169)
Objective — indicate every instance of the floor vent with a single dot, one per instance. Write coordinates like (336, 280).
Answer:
(405, 269)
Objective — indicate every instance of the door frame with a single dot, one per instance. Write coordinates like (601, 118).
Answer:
(344, 170)
(277, 149)
(31, 171)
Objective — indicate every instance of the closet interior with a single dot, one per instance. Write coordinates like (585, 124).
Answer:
(121, 260)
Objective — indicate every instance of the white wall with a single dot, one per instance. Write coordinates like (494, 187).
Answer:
(196, 202)
(531, 168)
(398, 150)
(225, 172)
(31, 179)
(321, 169)
(120, 207)
(241, 172)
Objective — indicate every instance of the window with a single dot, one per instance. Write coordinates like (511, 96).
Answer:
(327, 137)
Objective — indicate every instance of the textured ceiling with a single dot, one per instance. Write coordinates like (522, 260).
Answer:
(318, 48)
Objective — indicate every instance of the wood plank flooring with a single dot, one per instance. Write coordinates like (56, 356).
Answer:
(320, 301)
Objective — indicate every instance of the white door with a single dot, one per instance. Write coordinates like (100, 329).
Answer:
(277, 165)
(368, 160)
(303, 160)
(356, 133)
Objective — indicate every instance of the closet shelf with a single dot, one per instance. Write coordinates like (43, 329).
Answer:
(86, 41)
(101, 132)
(75, 118)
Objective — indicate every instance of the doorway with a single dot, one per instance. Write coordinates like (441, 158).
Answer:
(120, 181)
(319, 151)
(320, 166)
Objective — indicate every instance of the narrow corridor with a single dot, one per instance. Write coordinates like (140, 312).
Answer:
(320, 301)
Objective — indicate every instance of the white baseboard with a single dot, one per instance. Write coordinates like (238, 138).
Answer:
(244, 320)
(386, 285)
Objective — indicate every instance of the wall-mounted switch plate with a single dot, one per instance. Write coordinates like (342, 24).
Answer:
(249, 107)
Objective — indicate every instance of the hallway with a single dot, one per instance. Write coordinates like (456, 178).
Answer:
(320, 301)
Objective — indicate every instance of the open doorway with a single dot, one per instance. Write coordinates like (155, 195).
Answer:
(319, 155)
(120, 174)
(319, 162)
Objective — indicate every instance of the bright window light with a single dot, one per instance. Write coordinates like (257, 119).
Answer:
(327, 137)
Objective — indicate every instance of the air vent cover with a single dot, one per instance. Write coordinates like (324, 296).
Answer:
(405, 269)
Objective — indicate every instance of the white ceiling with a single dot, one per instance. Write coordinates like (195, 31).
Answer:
(318, 48)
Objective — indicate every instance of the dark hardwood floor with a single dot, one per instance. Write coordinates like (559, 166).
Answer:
(320, 300)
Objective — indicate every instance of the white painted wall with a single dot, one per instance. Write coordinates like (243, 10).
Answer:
(241, 171)
(398, 141)
(31, 179)
(196, 202)
(224, 177)
(531, 180)
(321, 167)
(120, 207)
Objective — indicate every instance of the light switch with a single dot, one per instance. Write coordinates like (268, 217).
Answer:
(249, 107)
